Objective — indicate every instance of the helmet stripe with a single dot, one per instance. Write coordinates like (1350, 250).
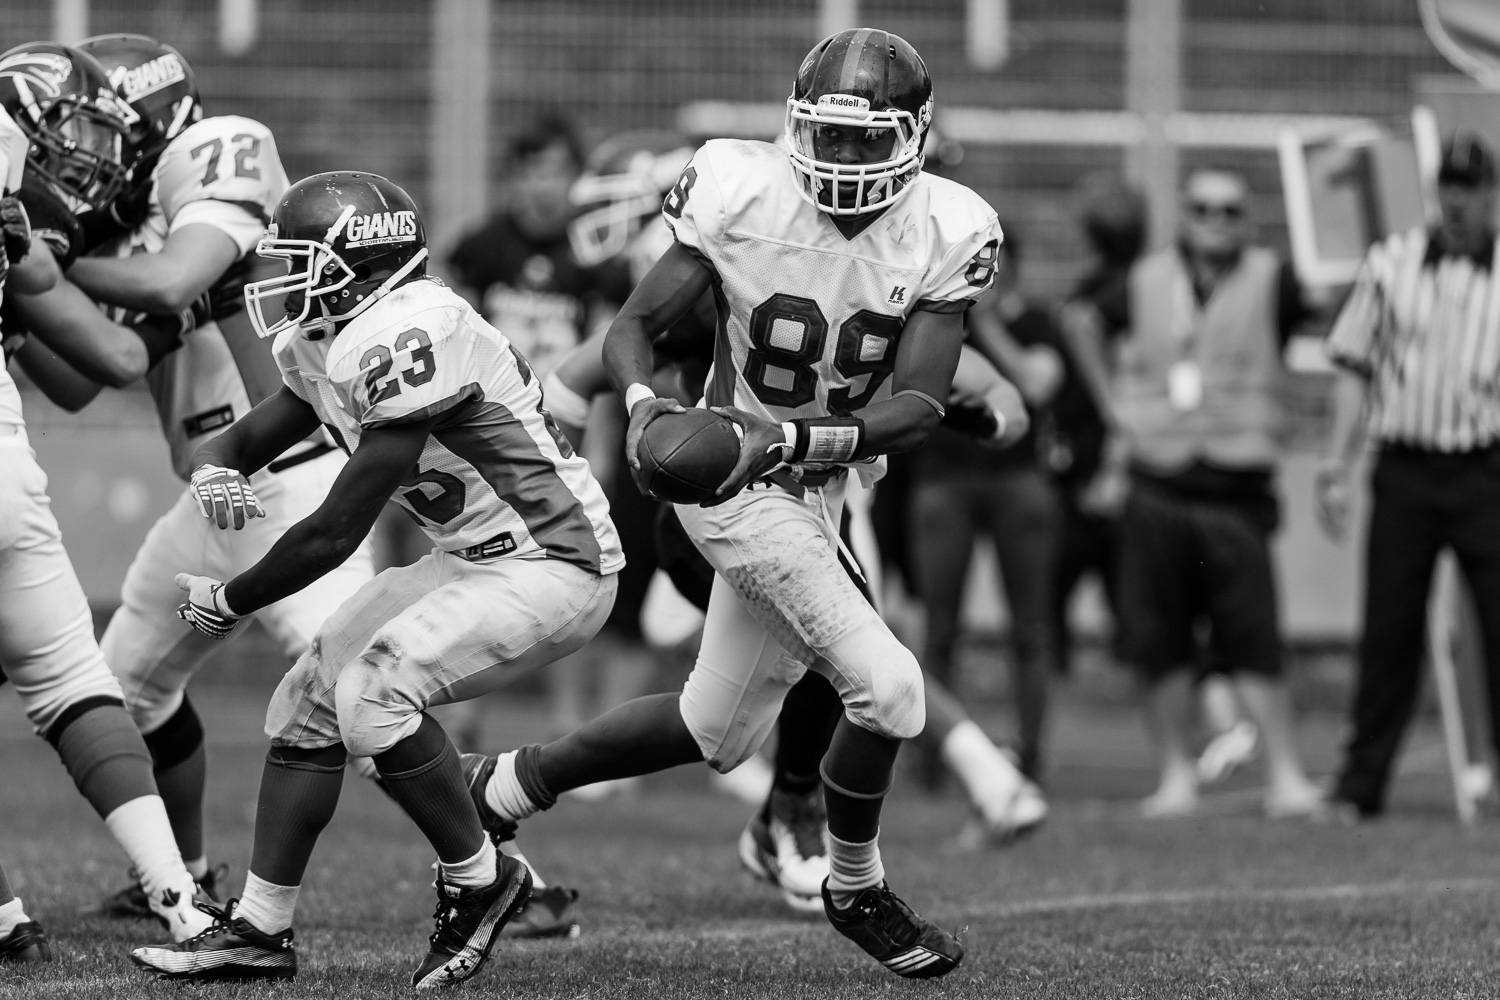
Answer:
(849, 73)
(333, 230)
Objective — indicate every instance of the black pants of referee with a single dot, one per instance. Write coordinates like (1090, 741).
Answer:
(1423, 502)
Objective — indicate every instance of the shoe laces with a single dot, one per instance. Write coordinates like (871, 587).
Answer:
(446, 938)
(805, 817)
(222, 916)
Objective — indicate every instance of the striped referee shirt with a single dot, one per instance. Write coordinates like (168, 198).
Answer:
(1424, 328)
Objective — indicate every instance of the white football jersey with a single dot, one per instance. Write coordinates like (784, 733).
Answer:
(496, 472)
(13, 146)
(813, 318)
(223, 172)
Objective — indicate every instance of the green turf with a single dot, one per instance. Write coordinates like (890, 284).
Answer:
(1098, 904)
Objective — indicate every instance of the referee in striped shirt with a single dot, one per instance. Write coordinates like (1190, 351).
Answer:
(1419, 345)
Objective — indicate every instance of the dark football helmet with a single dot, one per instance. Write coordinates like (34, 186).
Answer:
(348, 238)
(62, 99)
(862, 79)
(158, 84)
(622, 186)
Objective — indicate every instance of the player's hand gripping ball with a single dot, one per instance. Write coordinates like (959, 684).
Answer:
(684, 457)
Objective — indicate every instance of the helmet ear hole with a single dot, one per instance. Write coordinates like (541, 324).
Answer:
(361, 273)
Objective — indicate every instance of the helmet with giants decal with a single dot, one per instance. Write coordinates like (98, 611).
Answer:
(348, 238)
(62, 99)
(156, 81)
(863, 87)
(621, 187)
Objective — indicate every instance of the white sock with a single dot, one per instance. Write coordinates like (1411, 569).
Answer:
(987, 774)
(198, 867)
(474, 872)
(267, 906)
(852, 868)
(142, 829)
(509, 847)
(504, 793)
(11, 914)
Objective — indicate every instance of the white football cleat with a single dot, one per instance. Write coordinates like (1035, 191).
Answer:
(786, 843)
(177, 908)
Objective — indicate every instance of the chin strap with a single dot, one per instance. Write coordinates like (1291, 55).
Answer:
(329, 322)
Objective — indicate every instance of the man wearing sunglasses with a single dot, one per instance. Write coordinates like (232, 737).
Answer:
(1193, 404)
(1419, 342)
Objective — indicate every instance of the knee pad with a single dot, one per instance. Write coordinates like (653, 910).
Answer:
(177, 739)
(729, 730)
(104, 753)
(373, 714)
(881, 682)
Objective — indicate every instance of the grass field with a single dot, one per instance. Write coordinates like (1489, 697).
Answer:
(1097, 904)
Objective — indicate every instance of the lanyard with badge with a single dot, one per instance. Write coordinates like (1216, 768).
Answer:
(1185, 377)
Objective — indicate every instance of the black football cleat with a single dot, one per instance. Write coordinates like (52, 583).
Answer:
(231, 948)
(131, 902)
(468, 923)
(478, 768)
(895, 936)
(548, 914)
(26, 943)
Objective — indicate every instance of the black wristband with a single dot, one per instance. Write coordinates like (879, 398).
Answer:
(827, 439)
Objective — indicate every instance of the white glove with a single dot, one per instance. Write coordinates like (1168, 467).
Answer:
(206, 609)
(224, 495)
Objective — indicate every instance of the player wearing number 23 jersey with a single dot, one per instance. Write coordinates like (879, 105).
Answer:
(441, 415)
(841, 275)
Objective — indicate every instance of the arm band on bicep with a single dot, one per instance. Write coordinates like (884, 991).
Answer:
(941, 410)
(566, 406)
(827, 439)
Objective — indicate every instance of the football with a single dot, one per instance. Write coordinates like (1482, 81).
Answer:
(685, 456)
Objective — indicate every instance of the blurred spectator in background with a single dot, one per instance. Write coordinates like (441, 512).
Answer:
(960, 489)
(1072, 432)
(518, 268)
(1419, 343)
(1195, 396)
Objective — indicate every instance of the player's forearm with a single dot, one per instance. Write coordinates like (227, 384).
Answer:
(254, 441)
(310, 549)
(59, 381)
(148, 282)
(900, 423)
(628, 356)
(84, 337)
(35, 273)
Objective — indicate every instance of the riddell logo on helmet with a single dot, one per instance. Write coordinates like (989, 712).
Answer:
(843, 101)
(381, 227)
(148, 77)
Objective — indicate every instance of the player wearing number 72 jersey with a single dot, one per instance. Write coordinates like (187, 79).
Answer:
(842, 274)
(442, 416)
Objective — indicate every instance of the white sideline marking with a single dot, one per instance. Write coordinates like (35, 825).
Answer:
(1297, 894)
(791, 928)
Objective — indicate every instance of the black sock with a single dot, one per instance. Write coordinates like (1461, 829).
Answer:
(299, 790)
(423, 774)
(856, 777)
(804, 731)
(180, 764)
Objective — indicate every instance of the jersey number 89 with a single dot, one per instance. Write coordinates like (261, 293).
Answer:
(787, 336)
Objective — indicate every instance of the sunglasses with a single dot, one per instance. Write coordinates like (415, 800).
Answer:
(1231, 211)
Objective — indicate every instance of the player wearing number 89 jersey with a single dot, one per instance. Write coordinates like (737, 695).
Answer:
(841, 273)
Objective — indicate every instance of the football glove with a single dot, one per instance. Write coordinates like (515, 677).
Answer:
(205, 609)
(16, 227)
(52, 221)
(224, 496)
